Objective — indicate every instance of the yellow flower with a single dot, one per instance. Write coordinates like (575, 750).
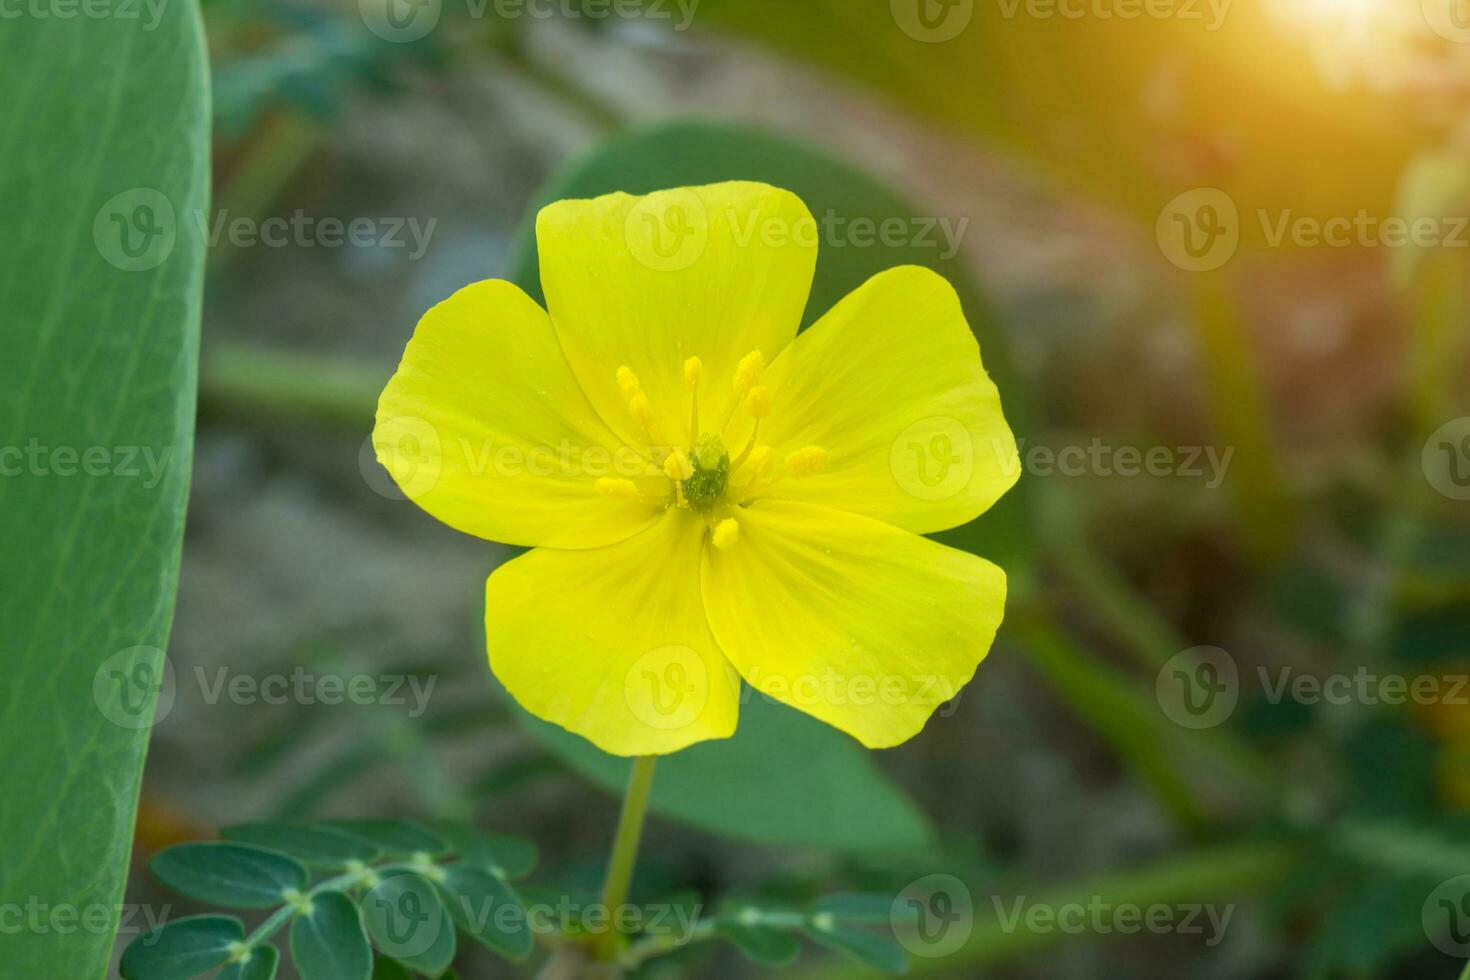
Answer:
(709, 496)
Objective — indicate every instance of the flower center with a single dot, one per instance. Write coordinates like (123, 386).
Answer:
(702, 474)
(711, 473)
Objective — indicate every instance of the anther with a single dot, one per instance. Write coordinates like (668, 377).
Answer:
(693, 369)
(806, 461)
(758, 402)
(617, 489)
(677, 467)
(727, 533)
(641, 410)
(748, 372)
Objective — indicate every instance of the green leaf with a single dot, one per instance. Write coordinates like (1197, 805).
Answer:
(238, 875)
(261, 965)
(408, 921)
(328, 943)
(317, 845)
(184, 948)
(99, 365)
(784, 779)
(869, 947)
(509, 857)
(488, 909)
(395, 838)
(763, 944)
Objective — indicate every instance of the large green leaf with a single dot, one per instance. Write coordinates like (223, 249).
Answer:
(783, 778)
(105, 144)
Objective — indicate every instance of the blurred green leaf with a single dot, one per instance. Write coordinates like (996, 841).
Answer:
(487, 908)
(184, 948)
(763, 944)
(784, 779)
(262, 965)
(509, 857)
(856, 908)
(328, 943)
(395, 838)
(106, 152)
(238, 875)
(877, 951)
(323, 847)
(408, 921)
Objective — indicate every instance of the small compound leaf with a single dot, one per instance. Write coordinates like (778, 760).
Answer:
(395, 838)
(239, 875)
(183, 948)
(408, 921)
(869, 947)
(488, 909)
(509, 857)
(261, 965)
(315, 844)
(328, 942)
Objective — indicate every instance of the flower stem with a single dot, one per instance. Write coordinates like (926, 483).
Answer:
(625, 851)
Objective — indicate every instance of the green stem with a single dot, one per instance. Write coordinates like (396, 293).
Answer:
(625, 850)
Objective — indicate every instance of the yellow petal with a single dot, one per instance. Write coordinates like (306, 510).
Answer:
(484, 427)
(710, 272)
(612, 644)
(865, 626)
(890, 385)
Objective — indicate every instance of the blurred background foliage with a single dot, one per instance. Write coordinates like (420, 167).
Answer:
(1057, 774)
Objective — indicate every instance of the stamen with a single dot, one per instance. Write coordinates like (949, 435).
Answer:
(693, 369)
(760, 461)
(618, 489)
(758, 402)
(678, 467)
(748, 372)
(805, 461)
(727, 533)
(641, 410)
